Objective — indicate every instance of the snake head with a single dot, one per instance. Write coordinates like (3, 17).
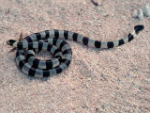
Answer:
(12, 42)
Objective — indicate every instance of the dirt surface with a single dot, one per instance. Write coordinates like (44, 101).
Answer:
(97, 81)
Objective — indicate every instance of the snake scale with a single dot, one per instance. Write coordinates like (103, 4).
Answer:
(51, 41)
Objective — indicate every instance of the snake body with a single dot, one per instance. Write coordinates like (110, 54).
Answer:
(50, 40)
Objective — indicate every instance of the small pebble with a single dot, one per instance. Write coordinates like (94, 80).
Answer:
(146, 11)
(135, 14)
(95, 2)
(140, 14)
(103, 106)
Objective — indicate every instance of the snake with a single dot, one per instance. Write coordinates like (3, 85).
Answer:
(54, 42)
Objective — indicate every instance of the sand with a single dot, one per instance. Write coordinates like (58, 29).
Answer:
(97, 81)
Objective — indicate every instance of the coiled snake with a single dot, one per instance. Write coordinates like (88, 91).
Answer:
(50, 40)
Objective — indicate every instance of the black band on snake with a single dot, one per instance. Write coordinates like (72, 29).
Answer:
(50, 40)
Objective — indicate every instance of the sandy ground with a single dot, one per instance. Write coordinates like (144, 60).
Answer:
(97, 81)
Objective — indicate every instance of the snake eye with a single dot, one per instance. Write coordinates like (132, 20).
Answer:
(10, 42)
